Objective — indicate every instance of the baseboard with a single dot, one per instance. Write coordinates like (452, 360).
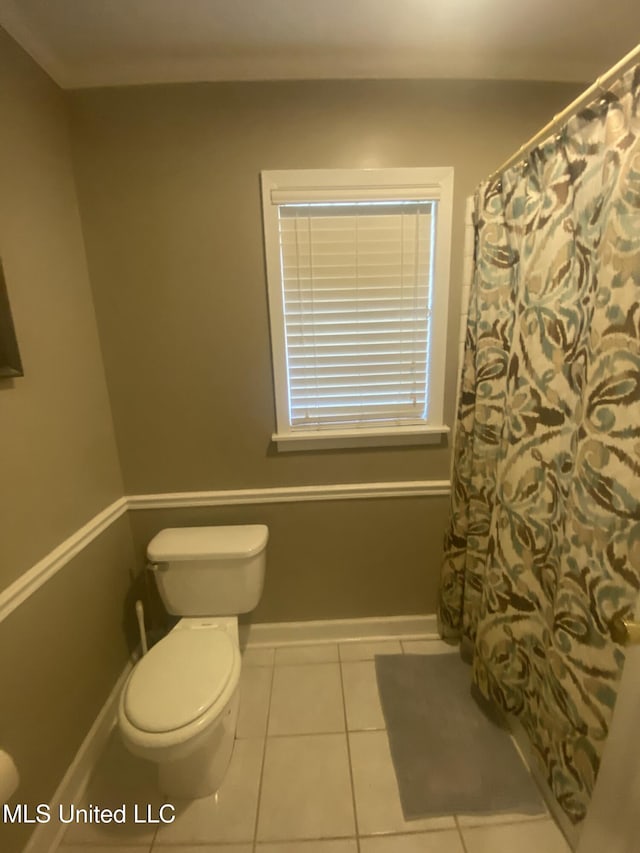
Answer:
(338, 630)
(570, 832)
(47, 836)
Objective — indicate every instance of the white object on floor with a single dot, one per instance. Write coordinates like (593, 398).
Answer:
(141, 628)
(179, 707)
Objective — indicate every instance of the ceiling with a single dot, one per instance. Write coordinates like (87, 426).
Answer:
(83, 43)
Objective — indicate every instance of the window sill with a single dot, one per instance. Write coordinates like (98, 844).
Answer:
(338, 439)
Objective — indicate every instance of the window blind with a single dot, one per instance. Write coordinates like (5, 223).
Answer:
(357, 289)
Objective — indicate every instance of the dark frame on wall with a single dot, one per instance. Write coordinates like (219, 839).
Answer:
(10, 361)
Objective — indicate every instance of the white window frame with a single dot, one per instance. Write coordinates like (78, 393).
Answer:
(433, 184)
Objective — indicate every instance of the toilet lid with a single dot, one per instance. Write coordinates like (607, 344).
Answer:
(179, 679)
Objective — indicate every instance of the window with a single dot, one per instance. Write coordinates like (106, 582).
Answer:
(357, 271)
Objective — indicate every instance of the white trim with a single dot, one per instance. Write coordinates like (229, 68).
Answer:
(297, 185)
(47, 836)
(28, 583)
(335, 186)
(37, 575)
(291, 494)
(319, 439)
(338, 630)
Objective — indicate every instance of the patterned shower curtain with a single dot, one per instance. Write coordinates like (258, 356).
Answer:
(543, 546)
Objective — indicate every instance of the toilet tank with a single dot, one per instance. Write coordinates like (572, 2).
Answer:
(209, 571)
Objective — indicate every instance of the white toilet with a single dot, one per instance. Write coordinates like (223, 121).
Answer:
(179, 706)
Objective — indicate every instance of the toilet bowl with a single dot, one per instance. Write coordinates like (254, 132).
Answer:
(179, 706)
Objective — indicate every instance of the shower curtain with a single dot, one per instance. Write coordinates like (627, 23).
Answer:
(543, 545)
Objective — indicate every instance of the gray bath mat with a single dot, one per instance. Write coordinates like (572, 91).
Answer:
(448, 756)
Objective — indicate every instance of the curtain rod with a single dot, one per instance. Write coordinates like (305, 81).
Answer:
(581, 101)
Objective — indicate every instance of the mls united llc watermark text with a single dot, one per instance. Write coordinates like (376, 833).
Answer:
(126, 813)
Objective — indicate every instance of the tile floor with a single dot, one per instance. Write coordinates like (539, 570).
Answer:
(311, 772)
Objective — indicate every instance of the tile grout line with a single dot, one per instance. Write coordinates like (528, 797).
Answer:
(460, 835)
(315, 839)
(284, 735)
(346, 734)
(154, 839)
(264, 755)
(308, 662)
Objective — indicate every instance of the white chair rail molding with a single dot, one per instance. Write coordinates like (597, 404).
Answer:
(20, 590)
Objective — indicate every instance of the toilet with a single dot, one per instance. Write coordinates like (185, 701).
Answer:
(179, 706)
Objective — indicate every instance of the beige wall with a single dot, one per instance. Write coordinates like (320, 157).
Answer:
(63, 648)
(60, 655)
(168, 180)
(58, 459)
(334, 559)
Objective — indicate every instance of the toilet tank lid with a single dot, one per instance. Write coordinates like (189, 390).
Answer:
(203, 543)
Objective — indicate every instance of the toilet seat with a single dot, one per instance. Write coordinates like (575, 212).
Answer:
(181, 680)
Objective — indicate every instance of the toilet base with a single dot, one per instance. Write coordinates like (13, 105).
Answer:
(200, 773)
